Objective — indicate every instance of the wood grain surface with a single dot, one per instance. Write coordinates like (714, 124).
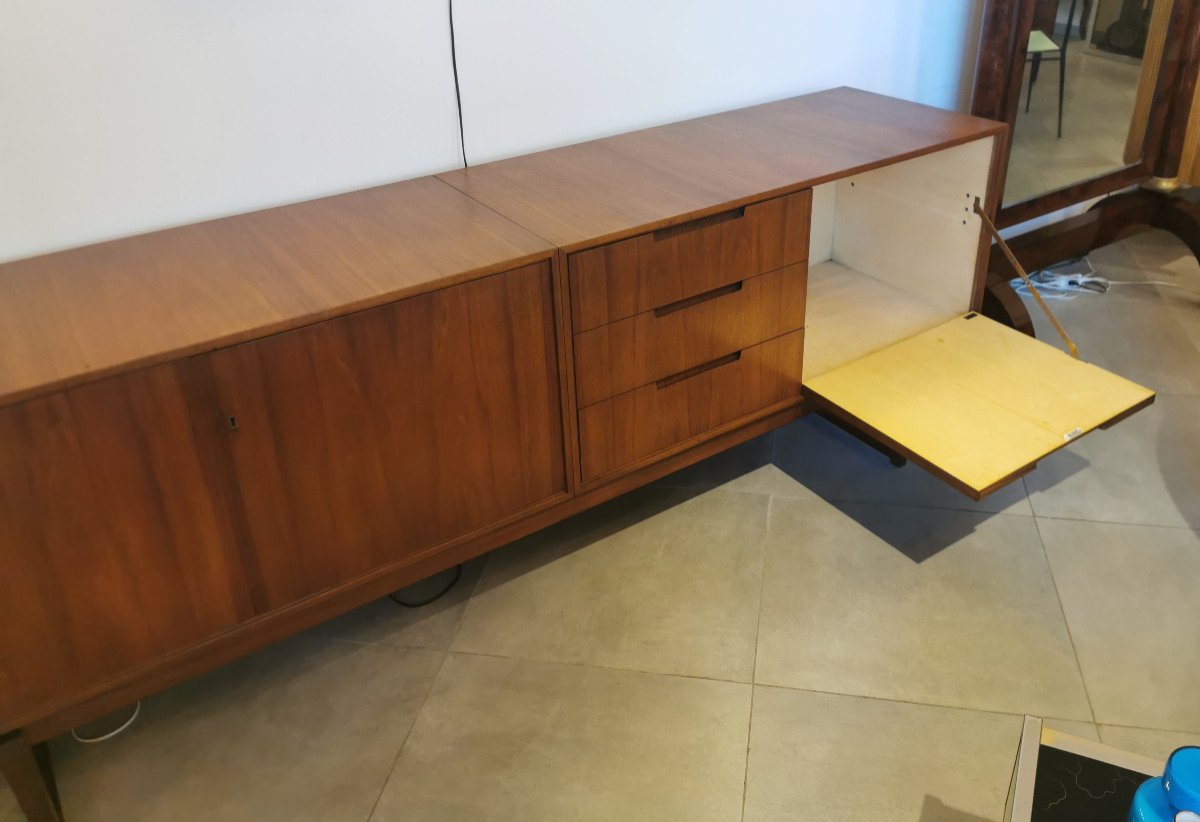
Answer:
(636, 424)
(79, 315)
(360, 441)
(608, 189)
(652, 270)
(114, 547)
(219, 434)
(652, 345)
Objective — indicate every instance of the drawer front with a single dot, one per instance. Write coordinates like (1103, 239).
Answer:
(619, 431)
(651, 270)
(653, 345)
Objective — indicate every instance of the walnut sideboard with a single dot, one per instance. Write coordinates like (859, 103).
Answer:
(214, 436)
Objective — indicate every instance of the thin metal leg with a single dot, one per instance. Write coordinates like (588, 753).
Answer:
(1062, 83)
(1033, 74)
(895, 458)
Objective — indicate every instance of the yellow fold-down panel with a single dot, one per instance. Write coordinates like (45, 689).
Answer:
(975, 402)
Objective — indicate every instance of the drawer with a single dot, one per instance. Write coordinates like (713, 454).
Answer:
(652, 270)
(650, 346)
(623, 429)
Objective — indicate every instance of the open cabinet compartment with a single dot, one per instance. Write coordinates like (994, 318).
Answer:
(892, 344)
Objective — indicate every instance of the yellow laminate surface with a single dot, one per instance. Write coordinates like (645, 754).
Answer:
(977, 401)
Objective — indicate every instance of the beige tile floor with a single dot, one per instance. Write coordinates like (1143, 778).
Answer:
(1097, 107)
(794, 630)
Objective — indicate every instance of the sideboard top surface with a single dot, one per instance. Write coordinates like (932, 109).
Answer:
(611, 188)
(78, 315)
(75, 316)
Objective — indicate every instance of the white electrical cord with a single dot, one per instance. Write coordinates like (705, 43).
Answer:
(1145, 282)
(1069, 286)
(91, 740)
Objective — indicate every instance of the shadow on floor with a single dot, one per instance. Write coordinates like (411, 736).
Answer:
(1179, 463)
(906, 507)
(863, 484)
(587, 527)
(934, 810)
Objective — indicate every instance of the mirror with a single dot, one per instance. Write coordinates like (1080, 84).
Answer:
(1085, 94)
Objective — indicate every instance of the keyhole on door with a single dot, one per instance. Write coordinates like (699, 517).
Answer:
(233, 423)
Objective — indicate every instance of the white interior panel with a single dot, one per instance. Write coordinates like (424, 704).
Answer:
(892, 253)
(820, 236)
(850, 315)
(912, 224)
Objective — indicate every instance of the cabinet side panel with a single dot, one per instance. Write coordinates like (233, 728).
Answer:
(824, 206)
(113, 550)
(370, 438)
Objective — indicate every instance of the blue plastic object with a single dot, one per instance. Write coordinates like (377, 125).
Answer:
(1177, 791)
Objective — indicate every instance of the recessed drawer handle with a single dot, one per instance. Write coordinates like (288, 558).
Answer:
(688, 302)
(695, 225)
(699, 369)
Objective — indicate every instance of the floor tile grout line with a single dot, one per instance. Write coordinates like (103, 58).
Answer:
(462, 616)
(390, 643)
(762, 576)
(898, 701)
(1066, 624)
(707, 489)
(835, 501)
(1191, 395)
(598, 667)
(919, 704)
(773, 497)
(416, 717)
(746, 771)
(918, 506)
(1121, 523)
(1144, 728)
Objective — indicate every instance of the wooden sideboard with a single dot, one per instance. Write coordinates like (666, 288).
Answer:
(217, 435)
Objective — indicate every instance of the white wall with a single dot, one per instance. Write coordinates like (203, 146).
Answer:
(120, 116)
(541, 73)
(128, 115)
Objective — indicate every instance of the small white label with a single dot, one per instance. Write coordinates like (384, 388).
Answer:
(1072, 434)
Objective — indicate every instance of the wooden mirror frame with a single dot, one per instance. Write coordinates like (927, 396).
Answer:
(1158, 199)
(1000, 75)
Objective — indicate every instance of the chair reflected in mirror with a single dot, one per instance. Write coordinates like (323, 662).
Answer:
(1043, 45)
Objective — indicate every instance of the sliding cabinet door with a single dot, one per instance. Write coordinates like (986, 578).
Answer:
(367, 440)
(115, 548)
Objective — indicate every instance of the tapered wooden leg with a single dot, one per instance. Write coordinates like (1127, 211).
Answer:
(27, 770)
(41, 752)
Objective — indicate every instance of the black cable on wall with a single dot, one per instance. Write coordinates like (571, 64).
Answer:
(462, 138)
